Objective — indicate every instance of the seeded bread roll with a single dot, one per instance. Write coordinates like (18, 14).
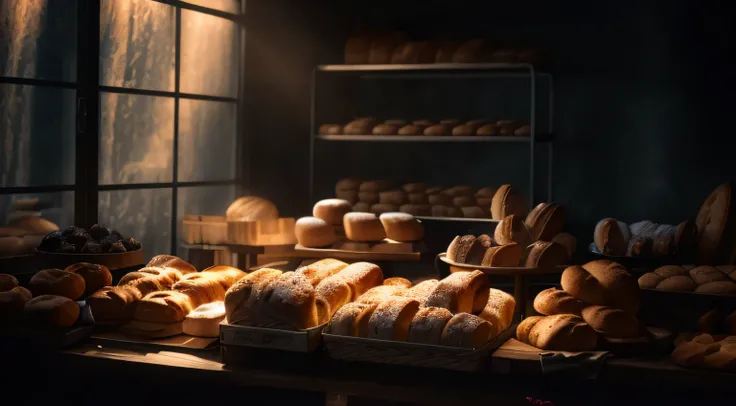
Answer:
(512, 229)
(562, 332)
(545, 221)
(397, 281)
(608, 238)
(314, 232)
(554, 301)
(352, 320)
(499, 311)
(332, 210)
(612, 322)
(604, 283)
(51, 311)
(363, 227)
(544, 254)
(508, 201)
(402, 227)
(461, 292)
(243, 299)
(318, 271)
(392, 318)
(422, 290)
(412, 129)
(503, 255)
(57, 282)
(330, 129)
(466, 330)
(428, 324)
(416, 209)
(381, 293)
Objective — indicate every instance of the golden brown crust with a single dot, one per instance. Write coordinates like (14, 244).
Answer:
(504, 255)
(499, 311)
(473, 51)
(289, 302)
(52, 311)
(392, 318)
(402, 227)
(314, 232)
(397, 281)
(612, 322)
(421, 291)
(705, 274)
(170, 261)
(381, 293)
(466, 330)
(715, 227)
(363, 227)
(438, 130)
(544, 254)
(95, 276)
(562, 332)
(461, 292)
(385, 129)
(113, 305)
(352, 320)
(332, 210)
(201, 288)
(330, 129)
(331, 293)
(57, 282)
(361, 126)
(362, 276)
(428, 324)
(512, 230)
(412, 129)
(508, 201)
(604, 283)
(243, 299)
(318, 271)
(555, 301)
(163, 307)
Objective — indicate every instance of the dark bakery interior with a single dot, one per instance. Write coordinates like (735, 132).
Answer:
(367, 202)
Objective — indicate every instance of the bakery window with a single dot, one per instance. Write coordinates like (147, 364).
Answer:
(120, 112)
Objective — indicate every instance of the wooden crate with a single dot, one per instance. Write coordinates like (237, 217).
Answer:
(199, 229)
(218, 230)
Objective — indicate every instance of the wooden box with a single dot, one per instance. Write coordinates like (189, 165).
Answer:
(218, 230)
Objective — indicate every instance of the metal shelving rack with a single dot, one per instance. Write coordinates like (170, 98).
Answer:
(444, 71)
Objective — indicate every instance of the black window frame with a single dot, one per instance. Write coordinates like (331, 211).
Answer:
(86, 187)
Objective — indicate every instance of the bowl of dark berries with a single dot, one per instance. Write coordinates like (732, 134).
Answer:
(97, 245)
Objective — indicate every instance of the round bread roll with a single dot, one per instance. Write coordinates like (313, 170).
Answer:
(512, 229)
(459, 191)
(416, 209)
(542, 254)
(330, 129)
(608, 238)
(12, 302)
(508, 201)
(352, 320)
(439, 200)
(364, 227)
(163, 307)
(417, 187)
(412, 129)
(402, 227)
(33, 225)
(561, 332)
(204, 321)
(554, 301)
(251, 208)
(391, 319)
(419, 198)
(717, 288)
(499, 311)
(612, 322)
(545, 221)
(170, 261)
(464, 130)
(397, 281)
(350, 196)
(331, 210)
(434, 190)
(421, 291)
(374, 186)
(397, 197)
(385, 129)
(57, 282)
(508, 255)
(362, 207)
(113, 305)
(466, 330)
(604, 283)
(473, 212)
(95, 276)
(314, 232)
(381, 293)
(380, 208)
(438, 130)
(568, 241)
(368, 197)
(348, 184)
(706, 274)
(7, 282)
(692, 353)
(51, 311)
(461, 292)
(428, 324)
(243, 299)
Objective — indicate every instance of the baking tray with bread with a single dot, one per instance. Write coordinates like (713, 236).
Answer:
(453, 323)
(423, 129)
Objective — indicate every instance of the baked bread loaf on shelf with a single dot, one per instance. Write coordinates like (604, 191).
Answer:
(391, 319)
(612, 322)
(204, 321)
(466, 330)
(499, 311)
(508, 201)
(365, 227)
(51, 311)
(95, 276)
(352, 320)
(511, 229)
(461, 292)
(562, 332)
(701, 279)
(314, 232)
(243, 299)
(58, 283)
(545, 221)
(604, 283)
(113, 305)
(428, 325)
(331, 211)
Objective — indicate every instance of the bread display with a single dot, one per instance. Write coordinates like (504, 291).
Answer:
(701, 279)
(204, 321)
(314, 232)
(57, 282)
(97, 240)
(95, 276)
(705, 351)
(562, 332)
(363, 227)
(429, 128)
(51, 311)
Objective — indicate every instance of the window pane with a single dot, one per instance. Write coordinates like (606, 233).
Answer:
(39, 39)
(142, 214)
(208, 55)
(230, 6)
(136, 138)
(209, 200)
(137, 44)
(57, 208)
(36, 136)
(206, 140)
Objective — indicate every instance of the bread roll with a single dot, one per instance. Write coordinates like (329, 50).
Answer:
(461, 292)
(428, 324)
(608, 238)
(252, 208)
(473, 51)
(352, 320)
(705, 274)
(204, 321)
(363, 227)
(163, 307)
(331, 293)
(113, 305)
(508, 201)
(12, 302)
(57, 282)
(438, 130)
(361, 276)
(361, 126)
(170, 261)
(463, 201)
(330, 129)
(416, 187)
(554, 301)
(33, 225)
(677, 283)
(391, 319)
(402, 227)
(368, 197)
(95, 276)
(512, 229)
(397, 281)
(445, 51)
(332, 211)
(499, 311)
(717, 288)
(505, 255)
(314, 232)
(544, 254)
(466, 330)
(545, 221)
(382, 48)
(422, 290)
(357, 49)
(397, 197)
(316, 272)
(434, 190)
(381, 208)
(51, 311)
(7, 282)
(692, 353)
(568, 241)
(473, 212)
(464, 130)
(226, 275)
(604, 283)
(412, 129)
(416, 209)
(200, 288)
(562, 332)
(612, 322)
(243, 299)
(439, 199)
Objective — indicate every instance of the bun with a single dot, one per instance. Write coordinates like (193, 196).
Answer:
(357, 50)
(544, 254)
(385, 129)
(391, 319)
(163, 307)
(603, 283)
(552, 301)
(251, 208)
(363, 227)
(347, 184)
(416, 209)
(332, 210)
(397, 281)
(113, 305)
(57, 282)
(503, 255)
(95, 276)
(243, 299)
(12, 302)
(473, 51)
(705, 274)
(204, 321)
(545, 221)
(508, 201)
(608, 238)
(352, 320)
(402, 227)
(318, 271)
(437, 130)
(428, 324)
(562, 332)
(499, 311)
(314, 232)
(7, 282)
(51, 311)
(488, 130)
(374, 186)
(612, 322)
(461, 292)
(466, 330)
(397, 197)
(512, 229)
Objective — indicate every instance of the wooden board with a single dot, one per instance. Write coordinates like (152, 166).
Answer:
(386, 250)
(500, 270)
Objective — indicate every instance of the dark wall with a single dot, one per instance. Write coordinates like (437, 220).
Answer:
(642, 101)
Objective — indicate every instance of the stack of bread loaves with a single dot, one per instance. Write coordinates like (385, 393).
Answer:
(598, 298)
(719, 280)
(430, 128)
(331, 214)
(460, 310)
(301, 299)
(704, 350)
(537, 241)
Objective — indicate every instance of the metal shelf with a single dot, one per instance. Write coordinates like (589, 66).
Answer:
(429, 67)
(516, 139)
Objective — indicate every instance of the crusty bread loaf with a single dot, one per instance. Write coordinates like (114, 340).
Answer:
(554, 301)
(204, 321)
(363, 227)
(508, 201)
(385, 129)
(412, 129)
(391, 319)
(352, 320)
(465, 250)
(422, 290)
(201, 288)
(402, 227)
(252, 208)
(461, 292)
(289, 302)
(381, 293)
(166, 276)
(12, 302)
(562, 332)
(314, 232)
(57, 282)
(245, 296)
(438, 130)
(113, 305)
(512, 229)
(466, 330)
(170, 261)
(609, 239)
(225, 275)
(612, 322)
(397, 281)
(332, 210)
(542, 254)
(604, 283)
(361, 126)
(318, 271)
(163, 307)
(361, 276)
(51, 311)
(545, 221)
(331, 293)
(686, 240)
(7, 282)
(428, 324)
(503, 255)
(499, 311)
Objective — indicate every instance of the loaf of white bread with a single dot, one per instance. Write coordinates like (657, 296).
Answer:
(431, 312)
